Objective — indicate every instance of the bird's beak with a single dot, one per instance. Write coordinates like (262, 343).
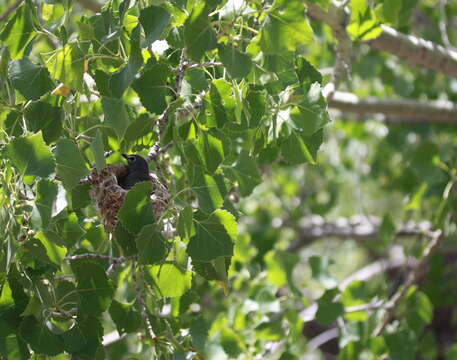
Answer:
(125, 156)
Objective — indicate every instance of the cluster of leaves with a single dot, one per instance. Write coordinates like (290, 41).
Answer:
(76, 85)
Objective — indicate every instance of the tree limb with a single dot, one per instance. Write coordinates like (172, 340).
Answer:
(412, 49)
(357, 228)
(402, 110)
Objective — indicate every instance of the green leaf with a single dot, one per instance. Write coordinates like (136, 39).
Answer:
(206, 151)
(154, 20)
(13, 123)
(297, 148)
(39, 337)
(125, 239)
(280, 265)
(212, 270)
(46, 196)
(221, 103)
(197, 79)
(320, 270)
(214, 237)
(419, 310)
(199, 35)
(31, 156)
(210, 190)
(307, 73)
(387, 231)
(121, 80)
(85, 338)
(285, 28)
(364, 24)
(310, 115)
(36, 249)
(328, 310)
(415, 201)
(98, 149)
(199, 332)
(141, 126)
(66, 295)
(237, 63)
(152, 87)
(12, 345)
(246, 173)
(270, 331)
(136, 211)
(71, 166)
(232, 343)
(151, 245)
(125, 316)
(18, 31)
(70, 230)
(391, 10)
(94, 289)
(54, 252)
(116, 115)
(67, 65)
(171, 280)
(31, 80)
(185, 223)
(257, 107)
(45, 117)
(401, 344)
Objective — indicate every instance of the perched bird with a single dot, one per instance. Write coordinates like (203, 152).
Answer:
(138, 171)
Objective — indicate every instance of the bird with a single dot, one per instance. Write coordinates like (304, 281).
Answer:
(138, 171)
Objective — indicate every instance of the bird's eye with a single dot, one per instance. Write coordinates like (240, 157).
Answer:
(131, 158)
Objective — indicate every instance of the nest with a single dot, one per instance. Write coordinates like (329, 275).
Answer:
(109, 196)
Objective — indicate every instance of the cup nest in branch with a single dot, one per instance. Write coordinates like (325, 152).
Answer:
(109, 196)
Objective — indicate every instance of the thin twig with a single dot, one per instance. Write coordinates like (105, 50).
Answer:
(142, 303)
(8, 11)
(115, 261)
(442, 23)
(205, 64)
(97, 256)
(65, 314)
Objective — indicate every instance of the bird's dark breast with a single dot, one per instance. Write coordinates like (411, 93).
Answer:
(131, 179)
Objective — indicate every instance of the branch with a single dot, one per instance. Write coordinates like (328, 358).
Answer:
(91, 5)
(396, 260)
(412, 49)
(402, 110)
(357, 228)
(435, 239)
(115, 261)
(8, 11)
(112, 337)
(141, 302)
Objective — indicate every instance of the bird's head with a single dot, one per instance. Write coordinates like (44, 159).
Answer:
(136, 163)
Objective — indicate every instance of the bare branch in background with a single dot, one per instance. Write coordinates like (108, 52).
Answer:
(399, 110)
(412, 49)
(357, 228)
(396, 260)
